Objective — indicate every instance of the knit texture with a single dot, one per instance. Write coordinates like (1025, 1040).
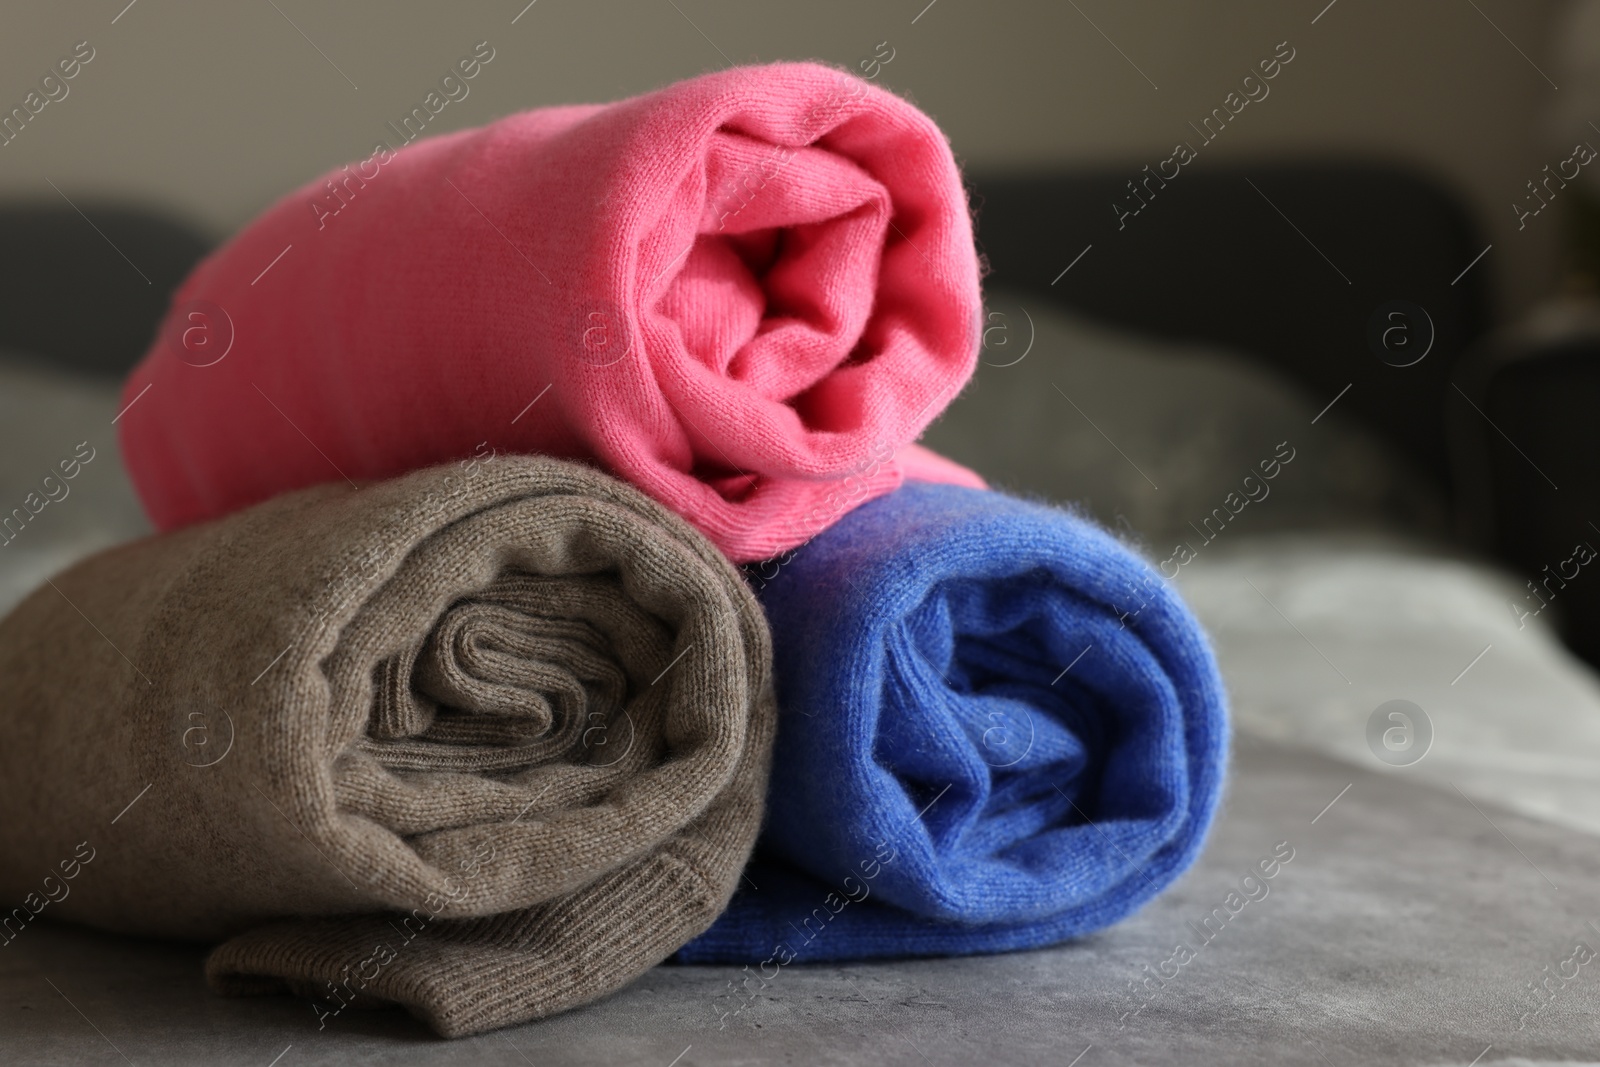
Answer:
(746, 293)
(999, 728)
(488, 740)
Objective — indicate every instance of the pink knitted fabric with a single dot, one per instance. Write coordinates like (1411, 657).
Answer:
(746, 293)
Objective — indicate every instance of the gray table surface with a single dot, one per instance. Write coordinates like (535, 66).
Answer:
(1409, 928)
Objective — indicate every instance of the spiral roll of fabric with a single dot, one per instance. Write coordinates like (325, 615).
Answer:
(487, 741)
(999, 729)
(736, 293)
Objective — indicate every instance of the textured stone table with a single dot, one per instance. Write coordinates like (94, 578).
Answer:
(1409, 928)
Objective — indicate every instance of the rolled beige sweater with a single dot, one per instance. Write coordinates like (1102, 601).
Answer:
(488, 740)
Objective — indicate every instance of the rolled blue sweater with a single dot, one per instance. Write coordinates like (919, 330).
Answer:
(999, 729)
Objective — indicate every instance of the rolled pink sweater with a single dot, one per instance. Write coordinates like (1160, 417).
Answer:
(747, 293)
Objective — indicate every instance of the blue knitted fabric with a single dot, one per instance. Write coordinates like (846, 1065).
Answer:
(999, 729)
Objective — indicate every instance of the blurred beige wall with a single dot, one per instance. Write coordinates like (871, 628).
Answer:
(212, 109)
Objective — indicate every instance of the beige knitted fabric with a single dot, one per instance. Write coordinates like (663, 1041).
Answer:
(488, 740)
